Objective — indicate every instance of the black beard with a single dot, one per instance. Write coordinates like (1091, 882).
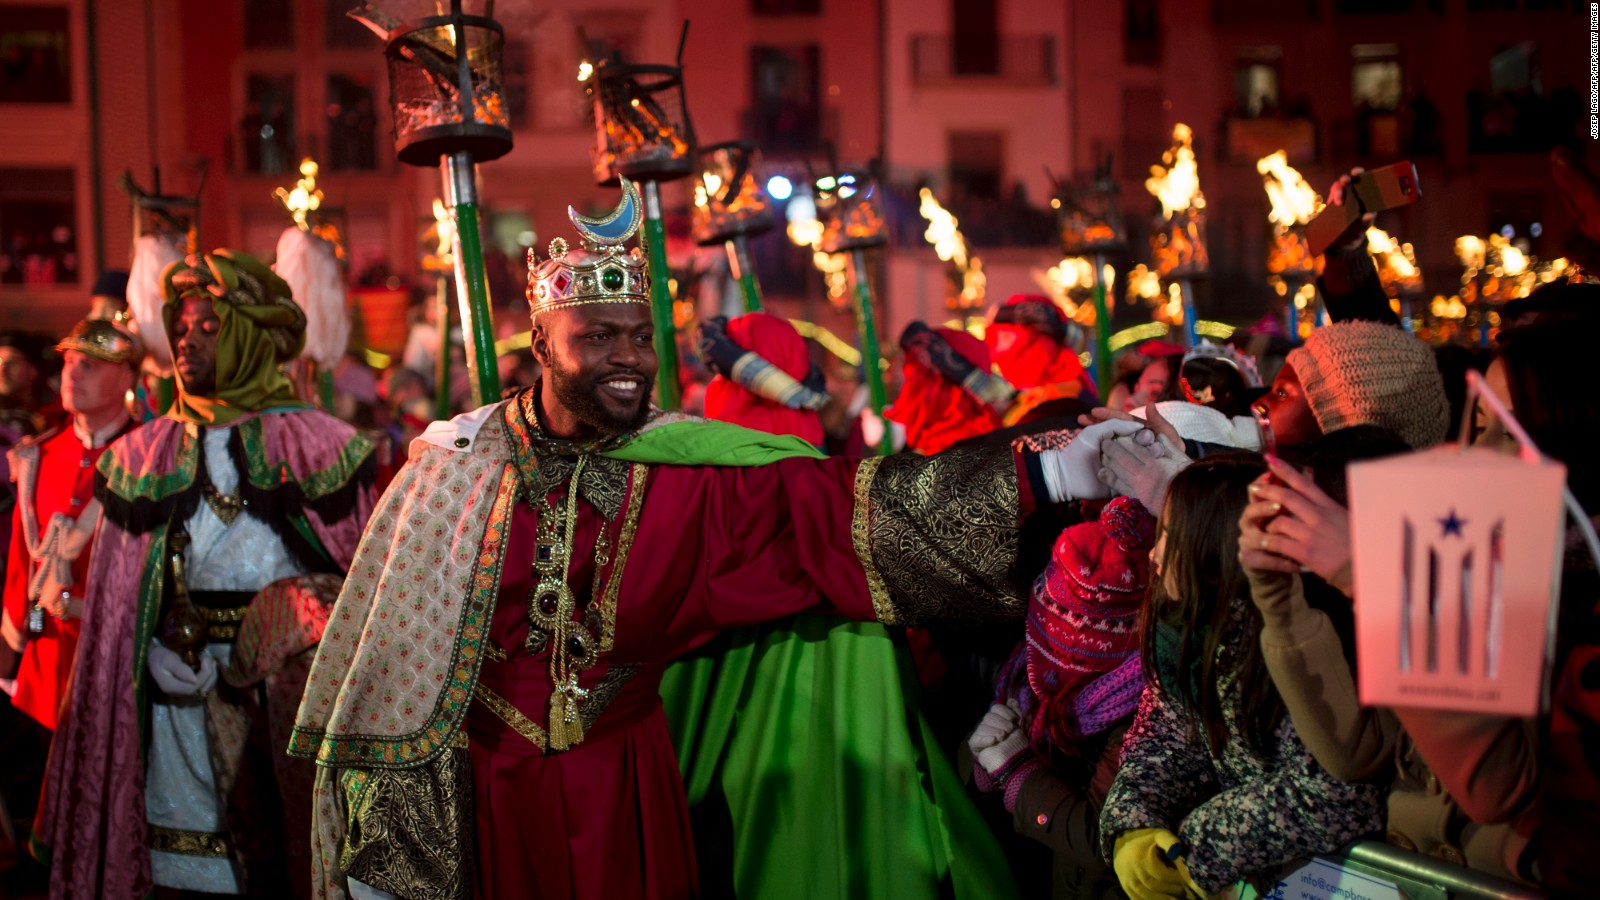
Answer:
(578, 395)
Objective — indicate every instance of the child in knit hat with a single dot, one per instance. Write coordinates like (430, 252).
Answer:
(1049, 745)
(1358, 373)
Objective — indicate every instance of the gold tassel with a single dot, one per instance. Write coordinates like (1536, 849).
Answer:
(566, 726)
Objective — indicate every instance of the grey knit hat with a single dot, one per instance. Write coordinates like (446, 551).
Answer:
(1366, 373)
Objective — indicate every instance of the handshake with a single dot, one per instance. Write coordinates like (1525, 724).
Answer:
(1116, 454)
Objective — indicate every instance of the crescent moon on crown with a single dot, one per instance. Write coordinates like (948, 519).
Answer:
(615, 228)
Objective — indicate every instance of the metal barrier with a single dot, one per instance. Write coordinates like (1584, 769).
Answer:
(1427, 878)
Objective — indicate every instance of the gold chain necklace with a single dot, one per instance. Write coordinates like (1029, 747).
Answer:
(573, 646)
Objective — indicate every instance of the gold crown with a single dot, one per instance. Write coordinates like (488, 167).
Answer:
(603, 271)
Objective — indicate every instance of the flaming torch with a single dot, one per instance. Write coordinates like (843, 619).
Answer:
(1091, 226)
(1291, 268)
(1494, 271)
(967, 283)
(1179, 240)
(1398, 272)
(730, 207)
(851, 221)
(448, 101)
(308, 259)
(642, 130)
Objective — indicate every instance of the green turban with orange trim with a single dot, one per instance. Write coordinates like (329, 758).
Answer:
(262, 328)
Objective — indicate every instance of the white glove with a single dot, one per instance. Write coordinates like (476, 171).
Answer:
(1071, 473)
(1130, 468)
(998, 737)
(174, 676)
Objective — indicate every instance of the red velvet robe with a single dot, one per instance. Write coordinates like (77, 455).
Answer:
(65, 485)
(776, 541)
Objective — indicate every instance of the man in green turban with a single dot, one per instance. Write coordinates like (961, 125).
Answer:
(243, 505)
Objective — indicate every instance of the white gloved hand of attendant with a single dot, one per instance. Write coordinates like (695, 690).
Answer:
(174, 676)
(1072, 473)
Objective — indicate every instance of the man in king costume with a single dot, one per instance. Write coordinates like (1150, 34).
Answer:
(160, 774)
(484, 703)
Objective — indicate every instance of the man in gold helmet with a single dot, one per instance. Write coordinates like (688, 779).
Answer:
(220, 519)
(55, 517)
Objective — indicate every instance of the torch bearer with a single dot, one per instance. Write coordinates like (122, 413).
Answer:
(448, 99)
(1091, 225)
(849, 211)
(731, 207)
(642, 131)
(1179, 239)
(165, 229)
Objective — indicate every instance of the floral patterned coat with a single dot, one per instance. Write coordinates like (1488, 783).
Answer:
(1242, 815)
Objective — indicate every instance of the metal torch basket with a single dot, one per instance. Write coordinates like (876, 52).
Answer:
(1089, 220)
(851, 212)
(730, 199)
(176, 219)
(641, 122)
(1178, 245)
(428, 79)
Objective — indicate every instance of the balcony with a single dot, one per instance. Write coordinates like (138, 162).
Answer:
(1028, 60)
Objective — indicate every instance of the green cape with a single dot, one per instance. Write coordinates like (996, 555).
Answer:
(809, 768)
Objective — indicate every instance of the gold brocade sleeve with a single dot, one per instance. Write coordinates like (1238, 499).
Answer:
(410, 831)
(939, 536)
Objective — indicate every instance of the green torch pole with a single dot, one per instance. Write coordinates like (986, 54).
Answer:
(744, 272)
(472, 288)
(655, 243)
(325, 389)
(441, 365)
(867, 335)
(1102, 330)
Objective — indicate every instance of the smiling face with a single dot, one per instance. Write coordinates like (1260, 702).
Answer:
(599, 364)
(194, 345)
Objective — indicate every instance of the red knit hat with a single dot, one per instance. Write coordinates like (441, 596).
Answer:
(1084, 620)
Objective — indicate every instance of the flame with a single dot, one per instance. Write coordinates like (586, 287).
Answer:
(1174, 305)
(1512, 260)
(1294, 202)
(706, 187)
(444, 227)
(304, 199)
(1448, 308)
(585, 70)
(835, 267)
(1470, 250)
(943, 231)
(1144, 283)
(1397, 263)
(1176, 183)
